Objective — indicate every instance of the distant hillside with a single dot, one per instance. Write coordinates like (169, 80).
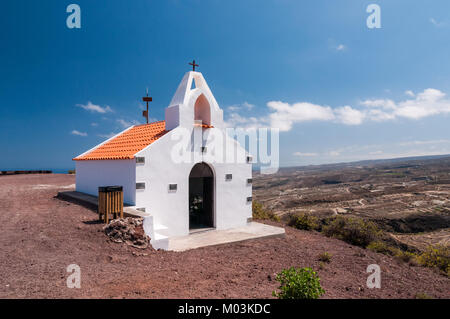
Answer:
(377, 162)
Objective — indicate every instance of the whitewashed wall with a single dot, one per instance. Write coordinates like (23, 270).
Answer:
(171, 208)
(92, 174)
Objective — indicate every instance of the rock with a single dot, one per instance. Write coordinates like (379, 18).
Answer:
(127, 230)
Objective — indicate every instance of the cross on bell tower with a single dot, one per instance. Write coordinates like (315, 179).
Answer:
(193, 65)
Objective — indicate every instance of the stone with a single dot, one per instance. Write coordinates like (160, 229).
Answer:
(124, 230)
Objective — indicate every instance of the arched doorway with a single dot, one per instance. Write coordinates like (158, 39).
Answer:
(201, 197)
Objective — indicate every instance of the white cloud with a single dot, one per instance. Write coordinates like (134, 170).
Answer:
(305, 154)
(95, 108)
(107, 135)
(285, 115)
(334, 153)
(427, 103)
(378, 115)
(237, 107)
(236, 120)
(383, 103)
(349, 116)
(248, 105)
(341, 47)
(436, 23)
(429, 142)
(75, 132)
(94, 124)
(126, 124)
(410, 93)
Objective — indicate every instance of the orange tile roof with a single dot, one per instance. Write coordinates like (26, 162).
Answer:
(125, 145)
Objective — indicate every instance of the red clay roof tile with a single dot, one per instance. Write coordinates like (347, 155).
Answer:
(125, 145)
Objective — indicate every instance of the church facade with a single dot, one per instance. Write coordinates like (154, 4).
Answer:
(185, 172)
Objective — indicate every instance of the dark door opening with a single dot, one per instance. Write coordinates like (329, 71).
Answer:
(201, 197)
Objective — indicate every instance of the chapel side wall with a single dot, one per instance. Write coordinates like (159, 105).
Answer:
(92, 174)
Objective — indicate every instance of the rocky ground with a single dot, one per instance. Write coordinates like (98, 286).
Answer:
(41, 235)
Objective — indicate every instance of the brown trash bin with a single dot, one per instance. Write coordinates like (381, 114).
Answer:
(110, 202)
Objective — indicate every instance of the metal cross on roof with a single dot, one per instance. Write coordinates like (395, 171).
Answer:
(193, 65)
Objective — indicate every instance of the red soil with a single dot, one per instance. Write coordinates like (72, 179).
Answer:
(41, 235)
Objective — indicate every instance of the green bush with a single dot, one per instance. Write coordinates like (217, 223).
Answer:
(406, 257)
(355, 231)
(436, 256)
(384, 248)
(259, 212)
(303, 221)
(298, 283)
(325, 257)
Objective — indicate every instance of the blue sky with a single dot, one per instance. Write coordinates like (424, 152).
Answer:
(338, 90)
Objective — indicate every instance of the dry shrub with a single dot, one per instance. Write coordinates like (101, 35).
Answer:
(438, 257)
(385, 248)
(352, 230)
(304, 221)
(325, 257)
(259, 212)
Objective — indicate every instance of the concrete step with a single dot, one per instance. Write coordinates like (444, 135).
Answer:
(160, 229)
(160, 241)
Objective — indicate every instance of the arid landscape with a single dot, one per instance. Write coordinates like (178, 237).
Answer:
(410, 198)
(41, 235)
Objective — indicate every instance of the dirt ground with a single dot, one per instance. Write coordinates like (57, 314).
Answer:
(41, 235)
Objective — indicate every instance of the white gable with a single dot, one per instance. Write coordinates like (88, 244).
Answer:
(190, 104)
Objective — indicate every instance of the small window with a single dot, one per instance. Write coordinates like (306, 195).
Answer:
(249, 220)
(140, 185)
(249, 180)
(249, 159)
(172, 187)
(140, 160)
(203, 149)
(249, 199)
(228, 177)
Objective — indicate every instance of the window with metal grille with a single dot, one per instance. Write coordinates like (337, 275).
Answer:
(249, 199)
(172, 187)
(228, 177)
(140, 185)
(140, 160)
(249, 180)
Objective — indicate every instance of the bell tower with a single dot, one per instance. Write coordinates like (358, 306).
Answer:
(193, 103)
